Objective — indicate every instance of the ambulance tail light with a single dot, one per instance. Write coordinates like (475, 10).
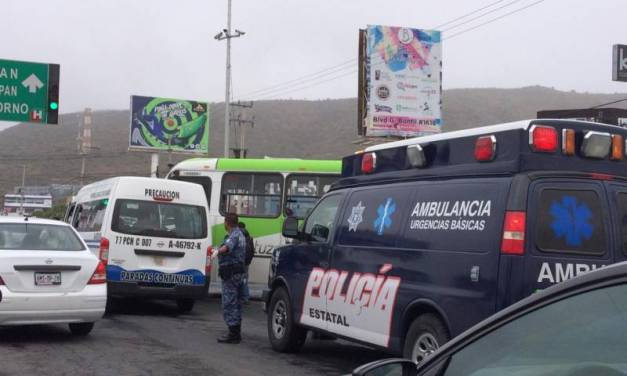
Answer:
(618, 143)
(568, 142)
(543, 139)
(99, 276)
(416, 156)
(596, 144)
(514, 233)
(368, 163)
(485, 148)
(208, 262)
(1, 282)
(103, 252)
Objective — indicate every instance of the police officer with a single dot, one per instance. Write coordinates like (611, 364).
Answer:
(231, 256)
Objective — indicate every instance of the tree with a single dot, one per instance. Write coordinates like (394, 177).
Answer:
(56, 212)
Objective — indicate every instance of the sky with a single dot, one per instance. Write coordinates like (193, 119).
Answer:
(111, 49)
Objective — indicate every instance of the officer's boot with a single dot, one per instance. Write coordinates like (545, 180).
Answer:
(233, 336)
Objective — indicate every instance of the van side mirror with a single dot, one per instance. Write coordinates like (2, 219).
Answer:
(290, 228)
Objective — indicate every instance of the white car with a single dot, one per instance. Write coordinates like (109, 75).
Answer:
(48, 275)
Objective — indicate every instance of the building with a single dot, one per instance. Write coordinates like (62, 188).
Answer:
(614, 116)
(17, 204)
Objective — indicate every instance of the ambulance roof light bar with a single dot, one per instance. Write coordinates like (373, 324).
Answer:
(543, 139)
(480, 131)
(596, 144)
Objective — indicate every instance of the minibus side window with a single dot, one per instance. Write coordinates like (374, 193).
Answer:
(90, 215)
(302, 191)
(70, 213)
(251, 194)
(570, 221)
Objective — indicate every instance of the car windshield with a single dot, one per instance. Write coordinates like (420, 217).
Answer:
(581, 335)
(38, 237)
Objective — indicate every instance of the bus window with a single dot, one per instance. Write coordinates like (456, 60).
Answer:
(251, 194)
(302, 191)
(202, 180)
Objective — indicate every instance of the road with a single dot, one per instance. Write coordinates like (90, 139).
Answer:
(151, 338)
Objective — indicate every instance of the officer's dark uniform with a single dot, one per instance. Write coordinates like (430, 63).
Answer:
(233, 275)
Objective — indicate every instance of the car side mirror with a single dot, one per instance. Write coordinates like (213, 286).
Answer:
(290, 228)
(387, 367)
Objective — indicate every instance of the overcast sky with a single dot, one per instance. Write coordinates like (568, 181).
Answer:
(110, 49)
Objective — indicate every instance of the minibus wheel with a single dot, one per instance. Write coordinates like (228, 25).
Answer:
(284, 334)
(185, 305)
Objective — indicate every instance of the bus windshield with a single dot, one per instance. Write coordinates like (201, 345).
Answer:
(166, 220)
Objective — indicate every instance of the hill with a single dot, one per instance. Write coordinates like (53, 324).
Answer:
(283, 128)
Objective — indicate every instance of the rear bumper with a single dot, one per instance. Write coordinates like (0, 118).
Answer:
(133, 289)
(26, 308)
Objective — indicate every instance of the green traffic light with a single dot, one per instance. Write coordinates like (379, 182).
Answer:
(54, 105)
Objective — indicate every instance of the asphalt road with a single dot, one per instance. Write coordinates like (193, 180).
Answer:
(151, 338)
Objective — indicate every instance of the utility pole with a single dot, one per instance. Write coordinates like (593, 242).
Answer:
(240, 152)
(226, 34)
(84, 139)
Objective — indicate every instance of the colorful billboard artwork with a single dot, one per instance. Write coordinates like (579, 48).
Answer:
(169, 125)
(403, 76)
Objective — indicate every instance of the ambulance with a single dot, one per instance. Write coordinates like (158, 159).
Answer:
(423, 238)
(152, 235)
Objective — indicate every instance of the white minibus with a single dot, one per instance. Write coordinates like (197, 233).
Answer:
(151, 233)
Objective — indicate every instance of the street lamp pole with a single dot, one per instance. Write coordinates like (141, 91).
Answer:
(226, 34)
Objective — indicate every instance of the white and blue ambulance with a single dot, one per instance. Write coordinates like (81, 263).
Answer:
(425, 237)
(152, 234)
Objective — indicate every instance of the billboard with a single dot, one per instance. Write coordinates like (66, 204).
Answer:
(169, 125)
(403, 82)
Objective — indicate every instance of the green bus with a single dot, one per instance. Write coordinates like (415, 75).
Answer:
(262, 192)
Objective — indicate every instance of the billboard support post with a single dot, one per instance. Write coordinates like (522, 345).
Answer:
(154, 165)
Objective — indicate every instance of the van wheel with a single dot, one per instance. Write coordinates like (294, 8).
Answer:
(185, 305)
(284, 334)
(112, 305)
(426, 334)
(81, 329)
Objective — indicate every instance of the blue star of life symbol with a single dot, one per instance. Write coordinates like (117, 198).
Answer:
(356, 217)
(570, 221)
(384, 212)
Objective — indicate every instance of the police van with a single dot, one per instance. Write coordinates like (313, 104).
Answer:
(422, 238)
(151, 234)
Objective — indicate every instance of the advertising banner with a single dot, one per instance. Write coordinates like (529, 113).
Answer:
(403, 76)
(169, 125)
(619, 63)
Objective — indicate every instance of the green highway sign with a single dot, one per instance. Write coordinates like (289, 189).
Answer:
(29, 92)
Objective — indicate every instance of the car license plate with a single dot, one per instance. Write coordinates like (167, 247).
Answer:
(47, 279)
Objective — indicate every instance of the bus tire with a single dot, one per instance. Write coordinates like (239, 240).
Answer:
(284, 334)
(425, 335)
(185, 305)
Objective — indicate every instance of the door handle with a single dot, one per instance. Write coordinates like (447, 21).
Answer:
(324, 264)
